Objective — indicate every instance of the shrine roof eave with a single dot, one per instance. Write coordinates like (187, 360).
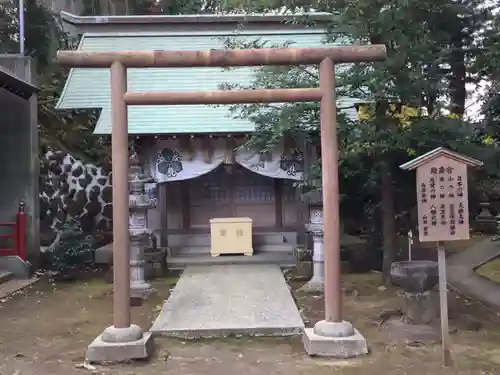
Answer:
(192, 135)
(440, 151)
(15, 85)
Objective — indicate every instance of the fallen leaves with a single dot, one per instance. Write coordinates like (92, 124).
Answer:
(87, 366)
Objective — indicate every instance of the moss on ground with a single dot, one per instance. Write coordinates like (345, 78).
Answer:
(490, 270)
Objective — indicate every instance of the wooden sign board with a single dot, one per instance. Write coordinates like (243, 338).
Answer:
(443, 213)
(442, 199)
(443, 208)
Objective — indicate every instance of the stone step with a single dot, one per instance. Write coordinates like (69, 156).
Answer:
(282, 259)
(274, 238)
(5, 276)
(200, 244)
(266, 248)
(189, 250)
(200, 250)
(176, 240)
(15, 285)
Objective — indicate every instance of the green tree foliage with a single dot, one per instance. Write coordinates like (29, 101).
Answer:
(39, 30)
(145, 7)
(487, 67)
(148, 7)
(412, 102)
(69, 131)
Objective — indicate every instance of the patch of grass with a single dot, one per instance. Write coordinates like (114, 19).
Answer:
(490, 270)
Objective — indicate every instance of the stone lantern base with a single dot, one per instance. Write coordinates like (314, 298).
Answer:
(316, 284)
(140, 289)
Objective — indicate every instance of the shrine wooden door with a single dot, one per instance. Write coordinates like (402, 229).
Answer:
(234, 192)
(254, 197)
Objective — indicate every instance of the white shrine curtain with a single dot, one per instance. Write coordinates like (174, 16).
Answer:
(175, 159)
(287, 164)
(170, 160)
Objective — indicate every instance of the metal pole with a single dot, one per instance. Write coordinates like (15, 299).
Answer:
(21, 27)
(443, 304)
(410, 243)
(330, 173)
(119, 155)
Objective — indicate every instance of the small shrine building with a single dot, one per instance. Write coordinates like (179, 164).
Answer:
(192, 150)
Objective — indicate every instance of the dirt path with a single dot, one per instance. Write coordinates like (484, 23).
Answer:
(46, 331)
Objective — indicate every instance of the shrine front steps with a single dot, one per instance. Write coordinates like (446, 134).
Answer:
(275, 248)
(285, 260)
(203, 249)
(258, 239)
(272, 247)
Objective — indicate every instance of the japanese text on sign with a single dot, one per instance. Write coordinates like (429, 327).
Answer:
(442, 200)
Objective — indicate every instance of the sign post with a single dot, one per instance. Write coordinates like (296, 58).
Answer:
(443, 305)
(443, 213)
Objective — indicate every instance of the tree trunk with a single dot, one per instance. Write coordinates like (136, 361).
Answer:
(388, 220)
(458, 92)
(387, 198)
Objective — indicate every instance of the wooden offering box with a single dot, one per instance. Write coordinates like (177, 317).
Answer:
(231, 236)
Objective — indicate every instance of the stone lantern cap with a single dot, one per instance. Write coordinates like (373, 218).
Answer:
(313, 197)
(138, 199)
(136, 171)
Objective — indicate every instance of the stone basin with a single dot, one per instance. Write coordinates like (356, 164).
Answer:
(416, 276)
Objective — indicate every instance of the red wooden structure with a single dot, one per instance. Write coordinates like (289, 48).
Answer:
(17, 234)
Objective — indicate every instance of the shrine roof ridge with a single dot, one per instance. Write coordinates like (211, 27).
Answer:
(321, 17)
(440, 151)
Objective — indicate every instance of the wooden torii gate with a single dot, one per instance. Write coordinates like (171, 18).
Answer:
(122, 334)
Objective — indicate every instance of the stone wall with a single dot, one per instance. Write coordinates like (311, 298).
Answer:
(71, 188)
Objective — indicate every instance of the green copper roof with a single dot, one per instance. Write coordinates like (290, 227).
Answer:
(89, 88)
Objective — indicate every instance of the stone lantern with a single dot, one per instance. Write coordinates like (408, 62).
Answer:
(316, 228)
(485, 221)
(140, 235)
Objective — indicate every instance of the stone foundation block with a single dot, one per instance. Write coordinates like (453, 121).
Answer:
(100, 351)
(335, 347)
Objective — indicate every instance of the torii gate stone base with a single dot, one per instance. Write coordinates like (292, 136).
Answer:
(330, 337)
